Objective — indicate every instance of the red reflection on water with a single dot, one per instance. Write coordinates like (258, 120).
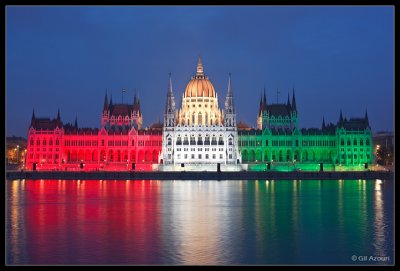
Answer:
(99, 222)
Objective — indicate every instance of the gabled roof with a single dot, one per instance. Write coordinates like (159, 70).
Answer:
(45, 124)
(355, 124)
(278, 110)
(121, 109)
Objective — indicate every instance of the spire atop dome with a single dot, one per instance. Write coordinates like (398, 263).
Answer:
(199, 67)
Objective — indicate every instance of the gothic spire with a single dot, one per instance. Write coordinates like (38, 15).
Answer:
(229, 105)
(261, 105)
(134, 101)
(33, 117)
(76, 122)
(366, 117)
(323, 123)
(294, 102)
(170, 103)
(341, 116)
(230, 117)
(58, 119)
(264, 101)
(169, 114)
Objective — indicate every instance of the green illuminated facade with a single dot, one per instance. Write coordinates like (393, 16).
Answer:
(278, 139)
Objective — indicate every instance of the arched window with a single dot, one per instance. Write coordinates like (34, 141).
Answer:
(367, 142)
(348, 142)
(169, 141)
(193, 119)
(199, 140)
(207, 140)
(214, 140)
(230, 141)
(206, 119)
(355, 142)
(361, 142)
(199, 120)
(192, 140)
(342, 142)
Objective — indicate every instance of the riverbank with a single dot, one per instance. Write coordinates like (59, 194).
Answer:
(199, 175)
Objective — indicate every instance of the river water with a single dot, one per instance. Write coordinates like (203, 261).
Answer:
(274, 222)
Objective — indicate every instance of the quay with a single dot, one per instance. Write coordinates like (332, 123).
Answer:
(198, 175)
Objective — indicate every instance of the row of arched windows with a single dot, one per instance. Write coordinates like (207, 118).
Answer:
(355, 142)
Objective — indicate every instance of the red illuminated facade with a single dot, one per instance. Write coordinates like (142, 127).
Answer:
(120, 143)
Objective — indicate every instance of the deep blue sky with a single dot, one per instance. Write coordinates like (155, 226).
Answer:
(337, 57)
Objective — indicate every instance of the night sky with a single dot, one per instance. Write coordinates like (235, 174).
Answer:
(65, 57)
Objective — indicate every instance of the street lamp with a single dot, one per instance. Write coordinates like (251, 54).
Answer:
(17, 154)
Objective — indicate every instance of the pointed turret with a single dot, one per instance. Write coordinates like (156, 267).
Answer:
(366, 117)
(261, 105)
(76, 122)
(135, 101)
(341, 116)
(105, 107)
(294, 108)
(58, 119)
(323, 123)
(33, 117)
(264, 101)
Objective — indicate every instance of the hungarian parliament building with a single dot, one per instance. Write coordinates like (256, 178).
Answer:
(199, 135)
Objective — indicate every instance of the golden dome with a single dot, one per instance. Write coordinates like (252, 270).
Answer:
(199, 85)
